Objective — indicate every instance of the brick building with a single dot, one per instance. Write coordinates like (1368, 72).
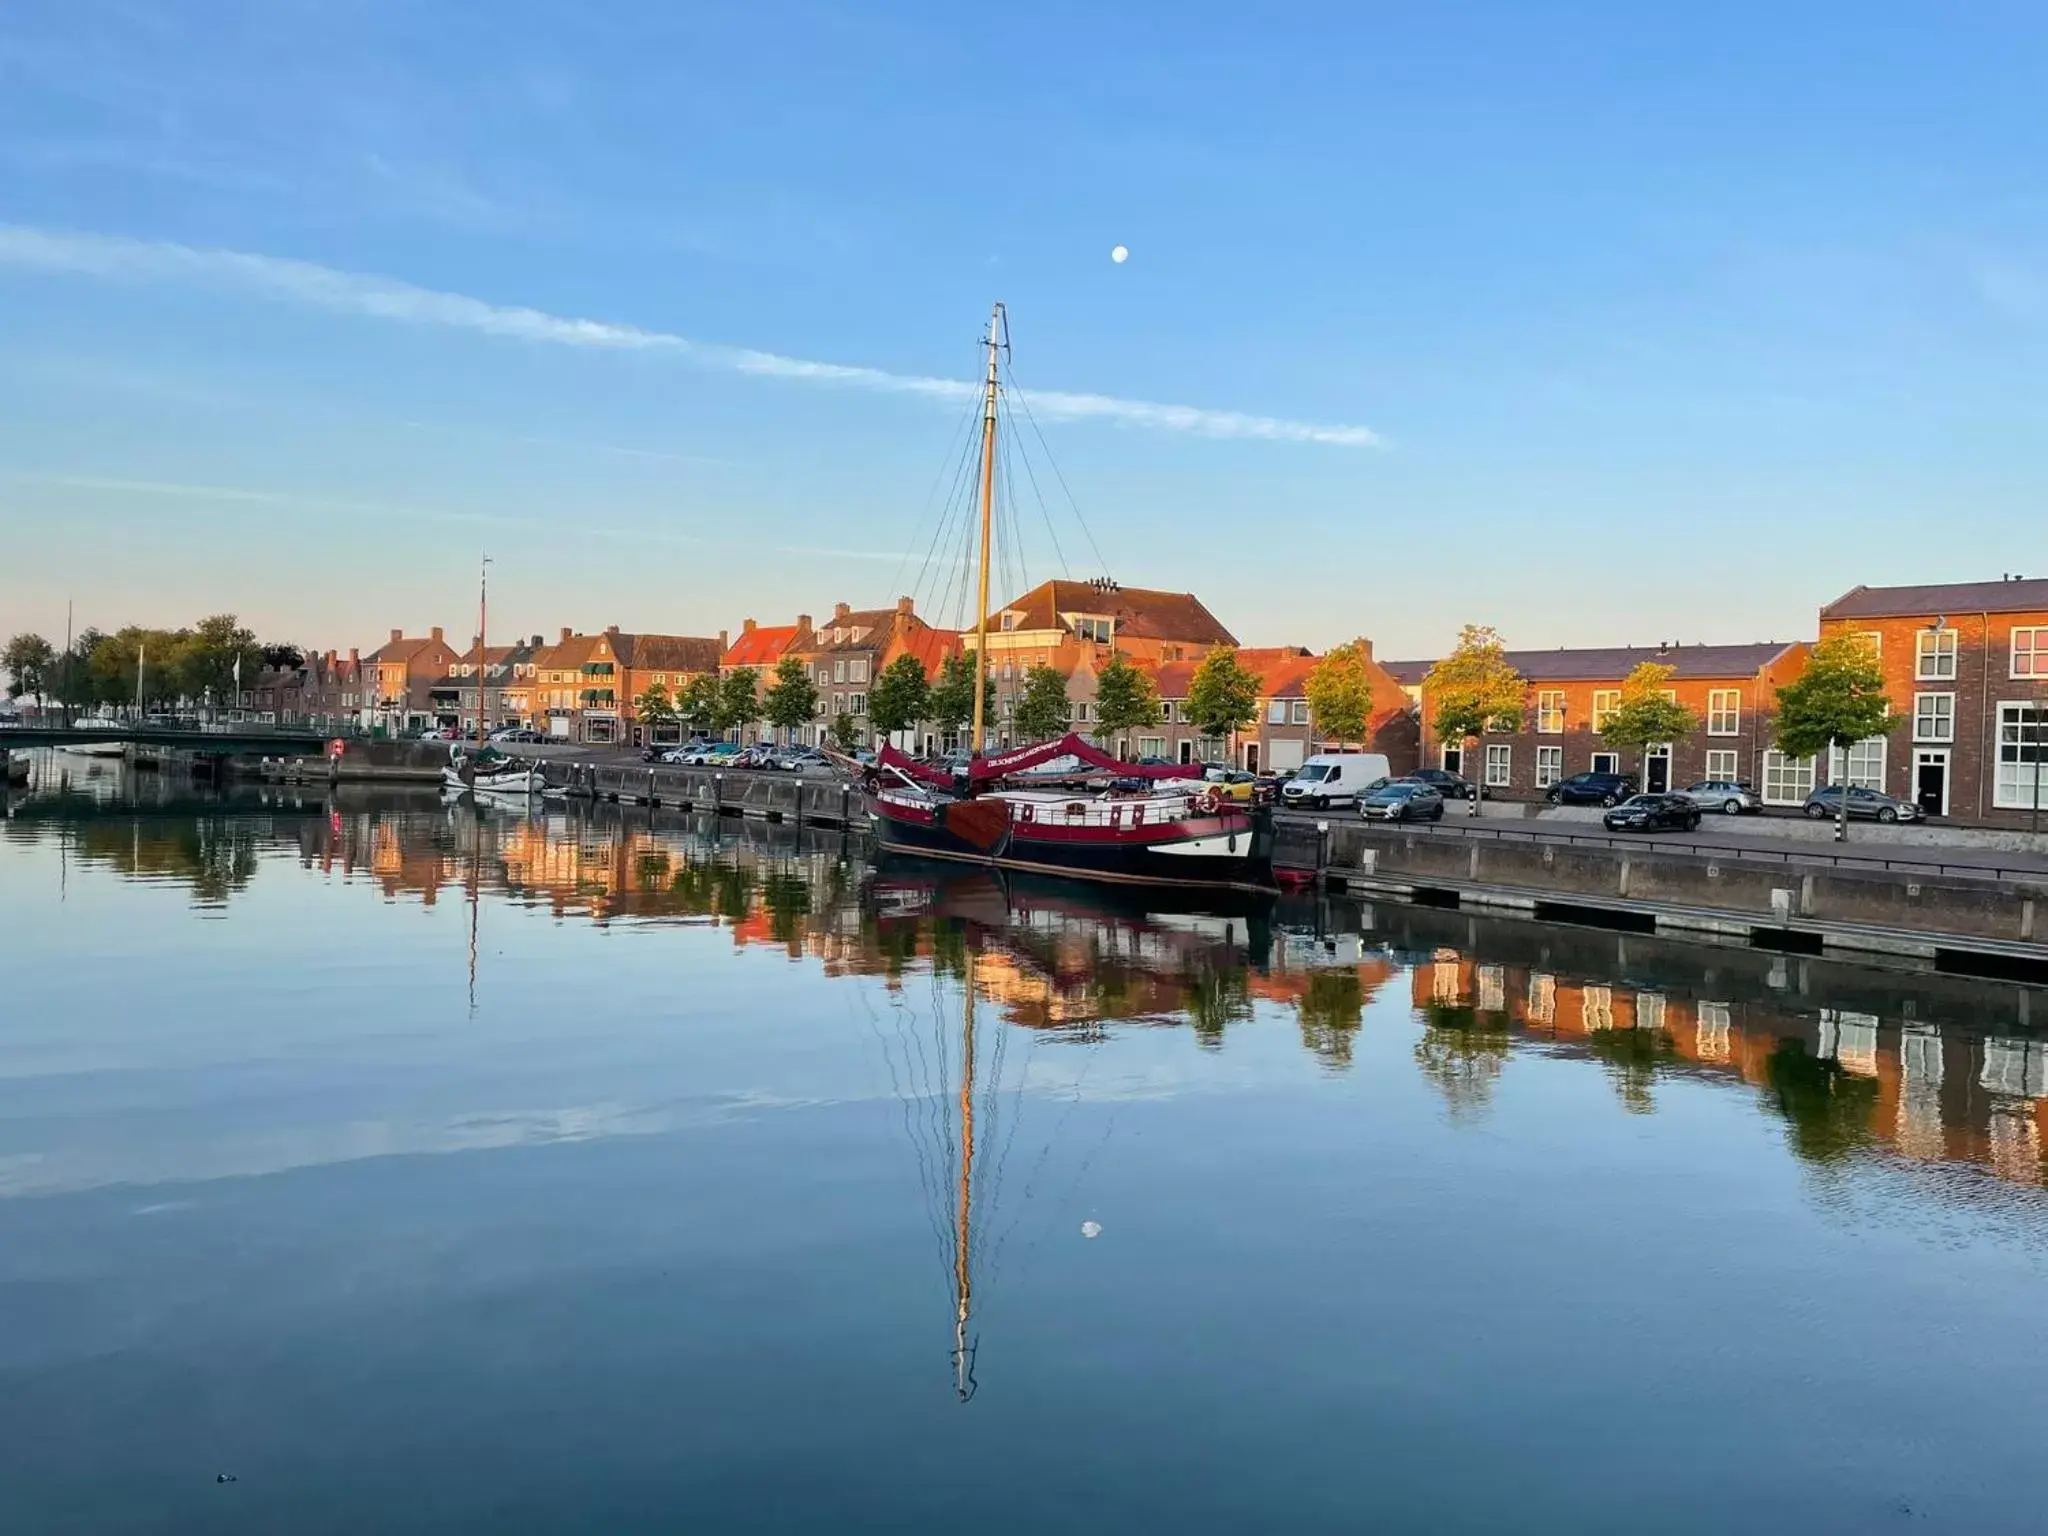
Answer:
(584, 685)
(403, 671)
(1730, 689)
(848, 651)
(1966, 665)
(325, 690)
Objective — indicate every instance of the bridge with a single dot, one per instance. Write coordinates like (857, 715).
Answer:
(211, 740)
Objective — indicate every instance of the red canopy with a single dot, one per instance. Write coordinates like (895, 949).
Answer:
(986, 770)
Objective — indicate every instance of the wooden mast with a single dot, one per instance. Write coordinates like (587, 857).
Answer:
(996, 331)
(483, 663)
(963, 1234)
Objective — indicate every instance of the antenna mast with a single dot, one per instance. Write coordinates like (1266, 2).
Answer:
(483, 654)
(998, 341)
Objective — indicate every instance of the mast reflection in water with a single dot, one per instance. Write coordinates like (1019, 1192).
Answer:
(529, 1143)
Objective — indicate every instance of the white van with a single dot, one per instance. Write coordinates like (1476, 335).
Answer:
(1334, 778)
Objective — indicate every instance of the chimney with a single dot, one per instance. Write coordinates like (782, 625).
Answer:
(565, 635)
(438, 637)
(1365, 645)
(905, 605)
(746, 627)
(611, 629)
(353, 657)
(397, 635)
(537, 642)
(803, 623)
(721, 639)
(840, 611)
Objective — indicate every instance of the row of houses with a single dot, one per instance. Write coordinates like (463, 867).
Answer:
(1966, 665)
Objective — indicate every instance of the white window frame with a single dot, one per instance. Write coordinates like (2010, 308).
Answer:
(1549, 766)
(1724, 711)
(1786, 780)
(2013, 753)
(1605, 702)
(1934, 656)
(1500, 764)
(1550, 712)
(857, 670)
(1862, 764)
(1606, 762)
(2035, 654)
(856, 703)
(1276, 712)
(1297, 712)
(1724, 766)
(1874, 638)
(1938, 756)
(1931, 721)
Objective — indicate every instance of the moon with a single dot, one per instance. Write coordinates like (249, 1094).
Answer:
(1119, 254)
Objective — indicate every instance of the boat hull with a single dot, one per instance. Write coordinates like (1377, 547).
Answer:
(522, 785)
(1225, 851)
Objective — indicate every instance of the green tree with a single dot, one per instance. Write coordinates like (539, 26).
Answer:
(697, 703)
(846, 731)
(29, 661)
(1330, 1008)
(1340, 693)
(739, 699)
(1126, 698)
(654, 707)
(1647, 715)
(791, 701)
(901, 696)
(214, 655)
(136, 663)
(1473, 690)
(1042, 710)
(1836, 702)
(951, 703)
(1223, 697)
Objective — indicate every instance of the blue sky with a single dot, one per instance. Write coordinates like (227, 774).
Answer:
(1597, 322)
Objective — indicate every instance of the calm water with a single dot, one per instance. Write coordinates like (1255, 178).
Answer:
(605, 1173)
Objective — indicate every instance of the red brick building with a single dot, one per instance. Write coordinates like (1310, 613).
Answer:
(1966, 665)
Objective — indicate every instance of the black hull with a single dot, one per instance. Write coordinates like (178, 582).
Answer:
(1123, 863)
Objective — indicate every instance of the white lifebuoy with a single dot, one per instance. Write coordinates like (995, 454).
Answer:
(1208, 802)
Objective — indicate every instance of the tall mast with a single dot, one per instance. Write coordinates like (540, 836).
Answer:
(483, 662)
(997, 331)
(963, 1235)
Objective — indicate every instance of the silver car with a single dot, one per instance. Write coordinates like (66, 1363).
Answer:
(1723, 795)
(1868, 804)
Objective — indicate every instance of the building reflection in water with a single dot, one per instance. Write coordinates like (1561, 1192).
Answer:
(1858, 1062)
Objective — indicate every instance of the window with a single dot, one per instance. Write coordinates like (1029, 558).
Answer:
(1721, 767)
(1081, 711)
(2030, 653)
(1596, 1007)
(1167, 711)
(1549, 766)
(1298, 712)
(1009, 621)
(839, 671)
(857, 671)
(1875, 641)
(1276, 712)
(2022, 749)
(1097, 630)
(1499, 758)
(824, 673)
(1787, 780)
(1605, 702)
(1934, 717)
(1724, 711)
(1549, 719)
(1935, 655)
(1151, 746)
(856, 703)
(1865, 765)
(1607, 762)
(838, 703)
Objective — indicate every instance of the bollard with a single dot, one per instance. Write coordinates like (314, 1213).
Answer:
(651, 800)
(717, 793)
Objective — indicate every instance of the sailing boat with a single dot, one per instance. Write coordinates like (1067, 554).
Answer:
(483, 770)
(1084, 813)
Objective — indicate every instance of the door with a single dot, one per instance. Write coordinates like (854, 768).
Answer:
(1454, 760)
(1187, 751)
(1930, 781)
(1657, 770)
(1251, 757)
(1287, 756)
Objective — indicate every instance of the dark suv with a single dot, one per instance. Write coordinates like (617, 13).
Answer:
(1592, 789)
(1444, 782)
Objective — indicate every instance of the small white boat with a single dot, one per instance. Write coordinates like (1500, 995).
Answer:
(488, 773)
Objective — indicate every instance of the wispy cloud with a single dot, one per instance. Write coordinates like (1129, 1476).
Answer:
(119, 258)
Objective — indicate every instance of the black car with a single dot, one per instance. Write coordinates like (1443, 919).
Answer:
(1444, 782)
(1592, 789)
(1653, 813)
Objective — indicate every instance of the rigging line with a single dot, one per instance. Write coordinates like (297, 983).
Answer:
(1024, 400)
(903, 1098)
(1044, 510)
(1020, 576)
(952, 597)
(939, 561)
(962, 433)
(947, 513)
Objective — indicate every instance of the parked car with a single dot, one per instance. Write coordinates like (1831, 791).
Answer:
(1444, 782)
(1334, 778)
(1402, 800)
(756, 756)
(797, 759)
(1592, 789)
(1152, 760)
(1867, 804)
(1653, 813)
(1728, 795)
(1230, 784)
(714, 754)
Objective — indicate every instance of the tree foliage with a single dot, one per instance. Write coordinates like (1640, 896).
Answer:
(1340, 693)
(654, 706)
(739, 699)
(1223, 697)
(1646, 714)
(1042, 711)
(1475, 689)
(900, 697)
(29, 661)
(1837, 701)
(846, 731)
(1125, 698)
(792, 698)
(952, 696)
(697, 702)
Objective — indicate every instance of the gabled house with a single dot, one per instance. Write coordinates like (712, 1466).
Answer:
(403, 671)
(848, 649)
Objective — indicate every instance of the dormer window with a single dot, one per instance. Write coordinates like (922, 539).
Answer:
(1098, 631)
(1009, 621)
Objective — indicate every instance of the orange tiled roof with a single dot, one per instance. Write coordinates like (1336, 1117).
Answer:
(930, 646)
(1138, 612)
(761, 646)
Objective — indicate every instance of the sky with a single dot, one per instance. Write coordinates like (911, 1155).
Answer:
(1598, 323)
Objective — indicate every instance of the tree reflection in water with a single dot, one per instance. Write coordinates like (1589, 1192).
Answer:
(1827, 1109)
(1633, 1058)
(1463, 1050)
